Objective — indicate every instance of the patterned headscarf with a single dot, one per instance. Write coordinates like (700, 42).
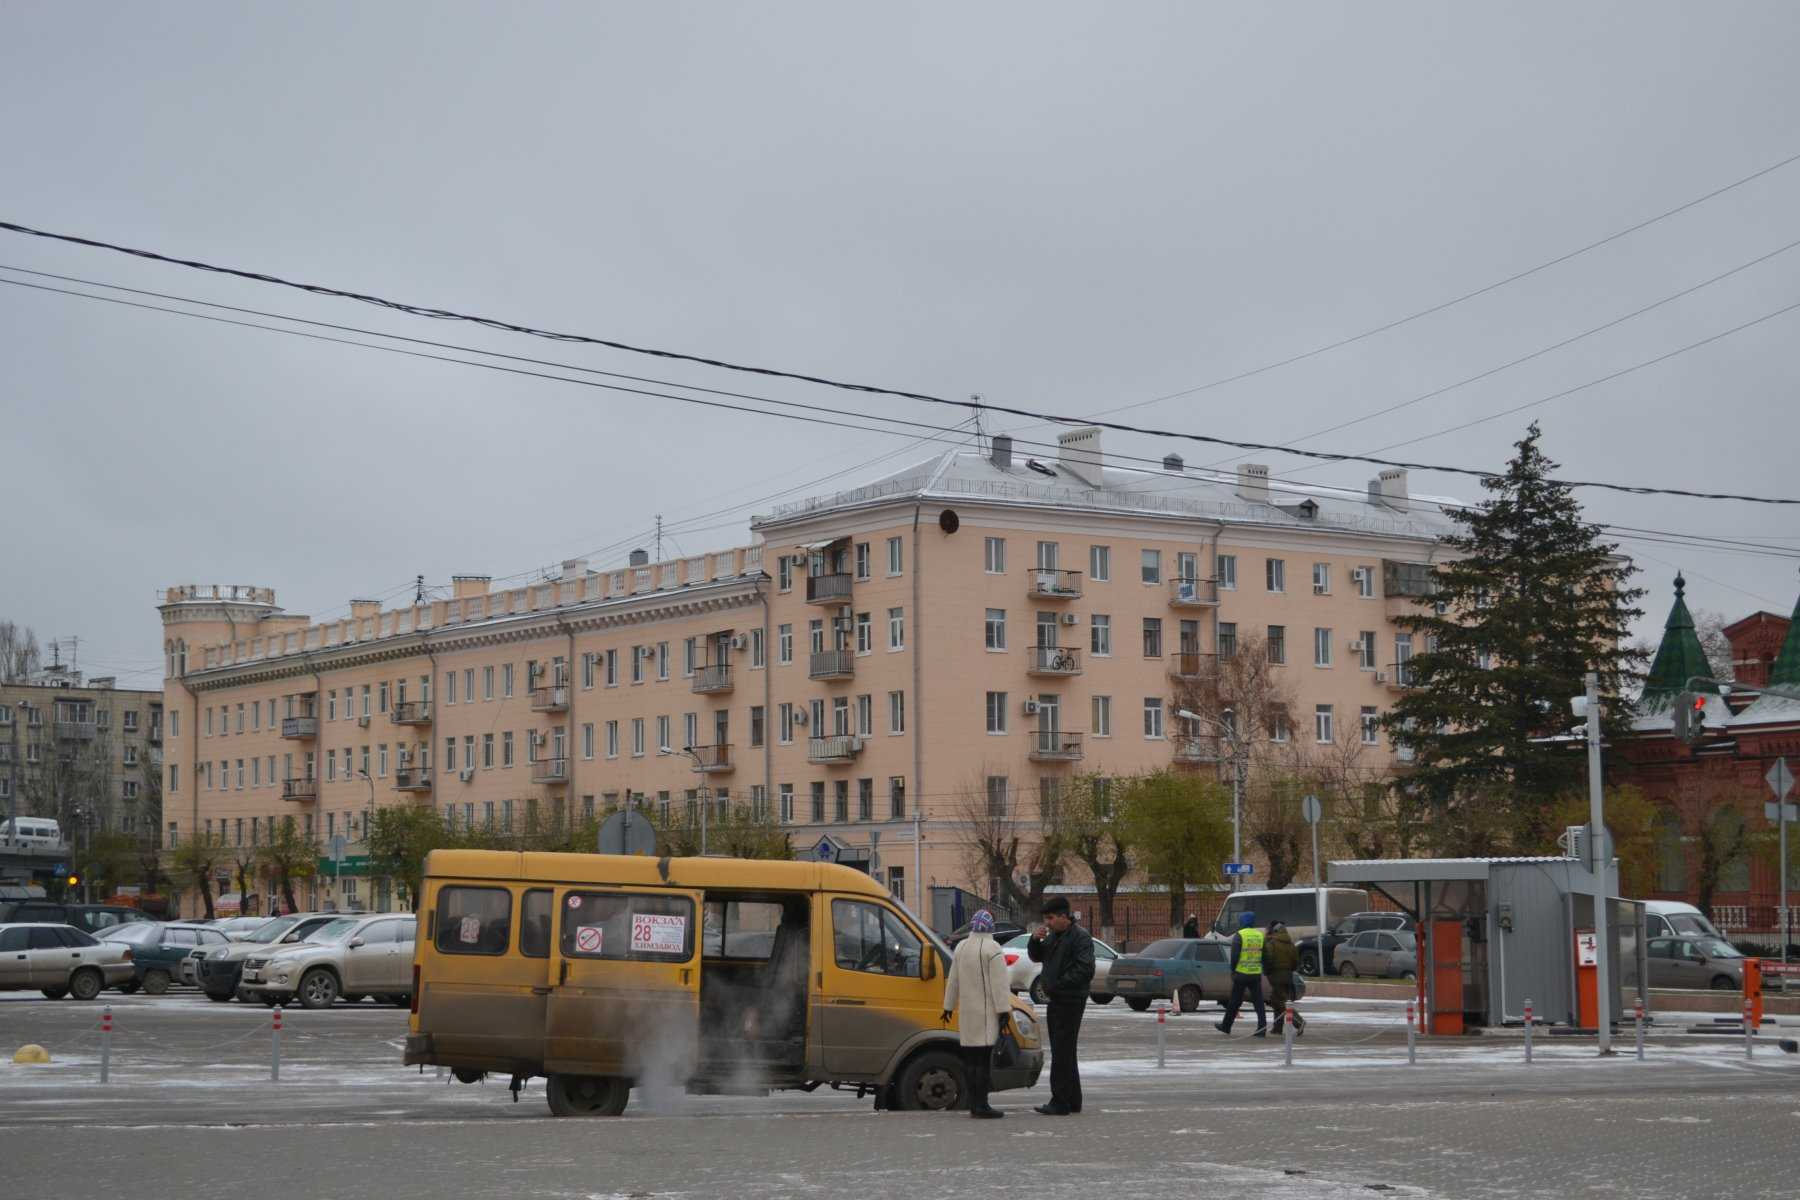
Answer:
(982, 922)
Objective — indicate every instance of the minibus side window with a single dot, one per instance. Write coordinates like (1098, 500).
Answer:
(871, 939)
(621, 926)
(534, 924)
(474, 920)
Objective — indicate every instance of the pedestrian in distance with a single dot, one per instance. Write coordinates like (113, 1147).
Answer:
(1066, 951)
(1281, 958)
(977, 993)
(1191, 929)
(1246, 975)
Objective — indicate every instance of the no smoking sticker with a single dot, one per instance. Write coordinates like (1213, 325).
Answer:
(588, 938)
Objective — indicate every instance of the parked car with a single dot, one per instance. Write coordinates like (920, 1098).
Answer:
(1381, 953)
(1004, 932)
(219, 969)
(1022, 973)
(60, 960)
(239, 928)
(90, 917)
(1694, 962)
(1342, 932)
(346, 956)
(1672, 918)
(1186, 970)
(1296, 907)
(157, 950)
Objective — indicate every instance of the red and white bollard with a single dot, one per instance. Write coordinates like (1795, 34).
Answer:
(105, 1042)
(275, 1046)
(1412, 1036)
(1162, 1031)
(1638, 1031)
(1287, 1034)
(1528, 1024)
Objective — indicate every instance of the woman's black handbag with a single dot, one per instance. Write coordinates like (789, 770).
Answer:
(1006, 1049)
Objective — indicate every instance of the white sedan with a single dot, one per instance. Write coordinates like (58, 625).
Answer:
(1022, 973)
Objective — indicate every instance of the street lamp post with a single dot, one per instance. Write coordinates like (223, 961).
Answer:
(368, 828)
(1599, 857)
(1228, 731)
(699, 792)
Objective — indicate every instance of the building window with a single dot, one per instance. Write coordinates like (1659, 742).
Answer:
(784, 643)
(865, 715)
(1322, 724)
(1227, 639)
(1365, 582)
(758, 723)
(896, 629)
(612, 668)
(637, 737)
(487, 750)
(662, 732)
(785, 718)
(587, 671)
(587, 740)
(1153, 717)
(818, 802)
(1151, 566)
(1366, 650)
(662, 660)
(1321, 647)
(784, 573)
(815, 636)
(840, 716)
(690, 729)
(840, 801)
(1275, 574)
(1225, 570)
(862, 560)
(896, 712)
(1152, 637)
(688, 655)
(1102, 723)
(996, 795)
(612, 739)
(1321, 579)
(896, 556)
(757, 649)
(996, 712)
(865, 633)
(1370, 717)
(785, 795)
(996, 629)
(506, 749)
(1277, 644)
(994, 560)
(1100, 635)
(1100, 563)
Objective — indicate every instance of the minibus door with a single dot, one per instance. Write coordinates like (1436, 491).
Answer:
(881, 985)
(625, 983)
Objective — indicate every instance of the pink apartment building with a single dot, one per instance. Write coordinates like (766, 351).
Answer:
(976, 625)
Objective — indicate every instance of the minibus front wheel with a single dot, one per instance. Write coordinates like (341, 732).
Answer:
(587, 1095)
(933, 1081)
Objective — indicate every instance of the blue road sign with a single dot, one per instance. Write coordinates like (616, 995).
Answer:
(825, 851)
(1240, 869)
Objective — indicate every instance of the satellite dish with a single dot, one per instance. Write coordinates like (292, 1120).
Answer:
(948, 521)
(627, 832)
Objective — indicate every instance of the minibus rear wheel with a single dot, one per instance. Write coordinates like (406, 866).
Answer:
(587, 1095)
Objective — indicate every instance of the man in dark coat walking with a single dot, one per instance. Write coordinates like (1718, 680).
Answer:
(1066, 951)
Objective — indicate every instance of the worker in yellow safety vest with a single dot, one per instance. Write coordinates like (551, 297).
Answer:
(1246, 975)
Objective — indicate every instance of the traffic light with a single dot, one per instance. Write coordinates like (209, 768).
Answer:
(74, 881)
(1690, 717)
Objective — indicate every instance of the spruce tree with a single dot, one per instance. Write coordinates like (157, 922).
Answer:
(1530, 599)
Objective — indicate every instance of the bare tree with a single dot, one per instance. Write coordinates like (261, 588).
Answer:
(1710, 627)
(1015, 844)
(1095, 834)
(20, 656)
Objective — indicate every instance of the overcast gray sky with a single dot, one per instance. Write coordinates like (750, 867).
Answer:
(1061, 206)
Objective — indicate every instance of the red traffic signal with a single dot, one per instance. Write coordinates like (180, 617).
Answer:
(1690, 717)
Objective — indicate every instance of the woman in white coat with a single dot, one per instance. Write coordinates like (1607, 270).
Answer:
(976, 992)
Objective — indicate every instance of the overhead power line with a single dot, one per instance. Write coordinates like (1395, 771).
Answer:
(974, 405)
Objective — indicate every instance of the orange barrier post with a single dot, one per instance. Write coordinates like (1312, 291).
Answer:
(1753, 991)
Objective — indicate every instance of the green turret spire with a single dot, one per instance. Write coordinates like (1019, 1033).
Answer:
(1786, 671)
(1680, 657)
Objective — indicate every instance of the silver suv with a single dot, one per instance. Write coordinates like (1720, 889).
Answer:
(351, 956)
(216, 969)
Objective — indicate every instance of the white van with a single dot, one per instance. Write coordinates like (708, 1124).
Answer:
(1297, 908)
(1672, 918)
(31, 831)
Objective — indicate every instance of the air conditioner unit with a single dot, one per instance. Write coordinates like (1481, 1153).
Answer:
(843, 612)
(1070, 619)
(1031, 708)
(1381, 677)
(466, 774)
(739, 641)
(363, 722)
(800, 717)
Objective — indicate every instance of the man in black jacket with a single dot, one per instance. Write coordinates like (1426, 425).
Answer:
(1066, 951)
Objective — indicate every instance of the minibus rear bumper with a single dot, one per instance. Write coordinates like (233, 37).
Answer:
(419, 1050)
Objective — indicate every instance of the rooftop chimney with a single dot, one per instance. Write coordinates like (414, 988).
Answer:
(1172, 462)
(1253, 482)
(364, 608)
(1079, 454)
(1000, 451)
(468, 586)
(639, 558)
(574, 568)
(1393, 487)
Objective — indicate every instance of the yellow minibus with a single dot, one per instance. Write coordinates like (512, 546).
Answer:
(606, 972)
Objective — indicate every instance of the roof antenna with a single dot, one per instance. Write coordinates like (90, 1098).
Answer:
(980, 431)
(418, 589)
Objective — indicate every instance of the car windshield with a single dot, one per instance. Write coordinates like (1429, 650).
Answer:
(132, 933)
(1714, 948)
(273, 930)
(332, 931)
(1167, 948)
(1692, 923)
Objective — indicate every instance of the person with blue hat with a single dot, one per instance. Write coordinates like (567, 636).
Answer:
(977, 993)
(1246, 975)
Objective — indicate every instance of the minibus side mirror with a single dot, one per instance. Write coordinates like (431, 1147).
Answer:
(928, 964)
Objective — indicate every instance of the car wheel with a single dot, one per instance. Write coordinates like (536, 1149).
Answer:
(128, 987)
(1347, 970)
(1309, 963)
(318, 989)
(1038, 994)
(586, 1095)
(86, 984)
(1138, 1003)
(932, 1082)
(1724, 983)
(1102, 997)
(156, 981)
(1410, 976)
(1188, 997)
(55, 993)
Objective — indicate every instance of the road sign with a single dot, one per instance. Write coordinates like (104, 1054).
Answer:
(627, 833)
(825, 851)
(1780, 779)
(1311, 809)
(1240, 869)
(1772, 811)
(337, 848)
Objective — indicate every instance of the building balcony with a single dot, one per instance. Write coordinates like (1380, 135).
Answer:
(550, 770)
(1399, 676)
(155, 736)
(1185, 592)
(832, 664)
(412, 779)
(77, 731)
(1192, 665)
(838, 748)
(1046, 584)
(828, 589)
(412, 712)
(1199, 750)
(1053, 660)
(712, 760)
(300, 729)
(713, 679)
(1055, 745)
(551, 699)
(300, 789)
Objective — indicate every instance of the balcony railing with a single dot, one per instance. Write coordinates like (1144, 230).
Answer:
(1043, 583)
(551, 699)
(550, 770)
(1054, 660)
(300, 789)
(156, 734)
(412, 779)
(712, 759)
(1192, 664)
(1198, 749)
(828, 589)
(1055, 745)
(1401, 676)
(1189, 592)
(78, 731)
(300, 729)
(712, 679)
(837, 748)
(412, 712)
(832, 664)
